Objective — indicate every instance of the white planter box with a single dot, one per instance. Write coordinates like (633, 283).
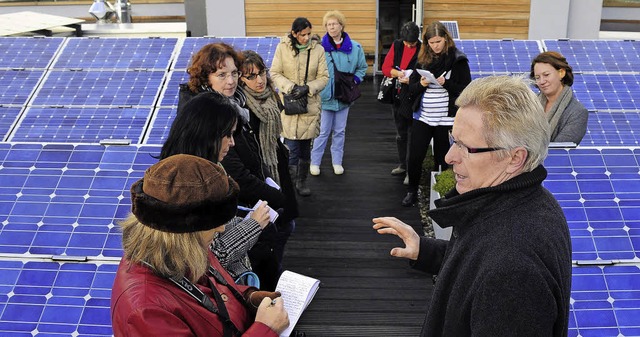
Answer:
(439, 232)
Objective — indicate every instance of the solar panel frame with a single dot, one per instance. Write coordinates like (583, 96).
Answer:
(598, 56)
(265, 46)
(8, 117)
(28, 52)
(17, 86)
(108, 88)
(499, 56)
(170, 91)
(55, 298)
(612, 129)
(160, 125)
(65, 199)
(81, 125)
(608, 92)
(102, 53)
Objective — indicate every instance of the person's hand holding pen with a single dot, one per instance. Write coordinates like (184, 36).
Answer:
(260, 213)
(441, 79)
(400, 75)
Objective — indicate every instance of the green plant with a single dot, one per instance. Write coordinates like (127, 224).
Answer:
(445, 181)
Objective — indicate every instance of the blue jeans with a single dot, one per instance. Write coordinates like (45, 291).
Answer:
(299, 150)
(332, 123)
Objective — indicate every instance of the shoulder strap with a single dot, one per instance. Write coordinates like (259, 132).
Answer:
(306, 71)
(398, 48)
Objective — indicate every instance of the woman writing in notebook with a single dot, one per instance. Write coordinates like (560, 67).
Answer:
(432, 103)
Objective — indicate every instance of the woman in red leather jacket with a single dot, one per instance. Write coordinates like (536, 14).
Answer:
(169, 283)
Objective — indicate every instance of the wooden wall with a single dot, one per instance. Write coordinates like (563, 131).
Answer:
(483, 19)
(274, 18)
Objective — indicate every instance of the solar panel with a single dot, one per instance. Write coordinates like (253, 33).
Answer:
(81, 125)
(99, 88)
(599, 192)
(116, 53)
(160, 125)
(605, 301)
(613, 129)
(16, 86)
(265, 46)
(170, 92)
(608, 92)
(28, 52)
(499, 56)
(55, 299)
(64, 199)
(599, 56)
(452, 27)
(8, 117)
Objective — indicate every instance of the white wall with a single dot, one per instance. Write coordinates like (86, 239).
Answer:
(558, 19)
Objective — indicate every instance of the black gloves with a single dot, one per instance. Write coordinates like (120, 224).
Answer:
(299, 91)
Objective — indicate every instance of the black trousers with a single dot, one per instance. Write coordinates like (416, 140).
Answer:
(420, 137)
(403, 127)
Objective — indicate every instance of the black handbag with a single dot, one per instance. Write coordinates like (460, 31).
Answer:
(387, 90)
(345, 88)
(297, 105)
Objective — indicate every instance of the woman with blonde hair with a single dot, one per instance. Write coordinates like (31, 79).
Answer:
(299, 68)
(169, 283)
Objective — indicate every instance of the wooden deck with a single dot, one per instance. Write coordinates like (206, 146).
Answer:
(364, 291)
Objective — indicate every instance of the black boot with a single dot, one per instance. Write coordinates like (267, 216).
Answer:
(410, 199)
(301, 181)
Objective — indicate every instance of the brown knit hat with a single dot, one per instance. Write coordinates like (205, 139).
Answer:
(184, 193)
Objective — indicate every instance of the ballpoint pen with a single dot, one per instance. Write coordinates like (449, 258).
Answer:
(246, 209)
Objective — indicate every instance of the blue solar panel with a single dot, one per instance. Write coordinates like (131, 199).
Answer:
(160, 125)
(55, 299)
(265, 46)
(599, 192)
(16, 86)
(605, 301)
(99, 88)
(612, 92)
(613, 129)
(8, 117)
(499, 56)
(598, 55)
(169, 96)
(81, 125)
(63, 199)
(116, 53)
(28, 52)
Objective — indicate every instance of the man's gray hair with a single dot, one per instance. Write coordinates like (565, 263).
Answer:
(512, 115)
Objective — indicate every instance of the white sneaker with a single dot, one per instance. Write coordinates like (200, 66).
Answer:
(314, 170)
(338, 169)
(406, 180)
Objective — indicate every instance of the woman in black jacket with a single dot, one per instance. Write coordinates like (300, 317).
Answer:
(432, 101)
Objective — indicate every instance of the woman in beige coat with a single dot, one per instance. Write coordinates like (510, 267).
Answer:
(288, 73)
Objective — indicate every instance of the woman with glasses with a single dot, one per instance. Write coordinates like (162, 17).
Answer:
(264, 110)
(216, 67)
(554, 77)
(347, 56)
(298, 55)
(432, 101)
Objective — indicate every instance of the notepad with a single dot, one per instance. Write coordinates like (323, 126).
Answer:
(297, 292)
(429, 76)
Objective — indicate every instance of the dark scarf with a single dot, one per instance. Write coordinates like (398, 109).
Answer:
(265, 106)
(237, 100)
(442, 62)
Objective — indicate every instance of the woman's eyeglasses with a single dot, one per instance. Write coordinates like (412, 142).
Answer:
(223, 76)
(252, 77)
(465, 150)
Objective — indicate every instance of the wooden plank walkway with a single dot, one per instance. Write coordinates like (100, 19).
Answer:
(364, 291)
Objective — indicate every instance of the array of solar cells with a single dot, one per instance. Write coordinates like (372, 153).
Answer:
(598, 55)
(265, 46)
(55, 299)
(116, 53)
(599, 191)
(608, 92)
(8, 117)
(605, 301)
(160, 125)
(17, 86)
(99, 88)
(169, 95)
(28, 52)
(613, 129)
(499, 56)
(81, 125)
(64, 199)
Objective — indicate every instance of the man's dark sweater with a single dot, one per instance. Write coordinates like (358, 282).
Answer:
(507, 269)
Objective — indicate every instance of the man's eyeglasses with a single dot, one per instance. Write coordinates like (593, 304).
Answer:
(223, 76)
(466, 150)
(252, 77)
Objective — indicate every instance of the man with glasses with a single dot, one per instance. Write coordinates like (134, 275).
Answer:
(507, 269)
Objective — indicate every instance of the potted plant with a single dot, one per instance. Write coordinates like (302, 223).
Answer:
(441, 183)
